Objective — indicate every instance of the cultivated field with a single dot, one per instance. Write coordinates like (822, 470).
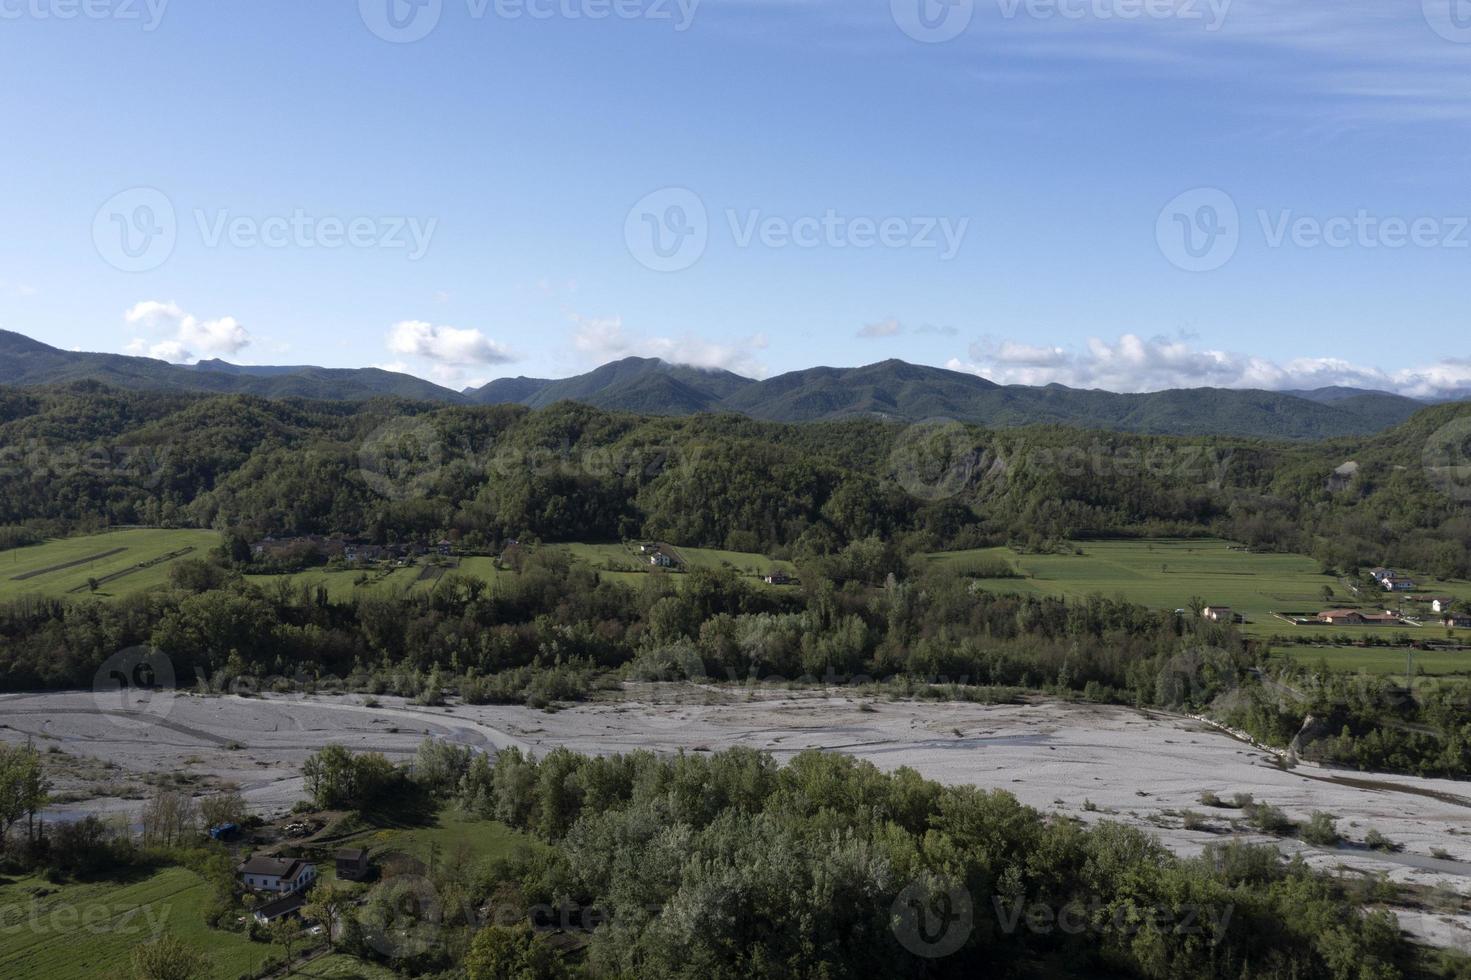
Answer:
(40, 923)
(342, 583)
(122, 562)
(1166, 573)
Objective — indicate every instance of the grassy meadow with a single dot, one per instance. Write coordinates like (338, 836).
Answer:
(87, 930)
(1166, 573)
(62, 567)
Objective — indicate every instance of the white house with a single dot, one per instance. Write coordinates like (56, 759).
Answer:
(1441, 605)
(1218, 614)
(662, 560)
(280, 875)
(1393, 580)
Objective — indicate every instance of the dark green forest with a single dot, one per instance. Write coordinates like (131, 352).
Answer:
(852, 503)
(80, 456)
(729, 866)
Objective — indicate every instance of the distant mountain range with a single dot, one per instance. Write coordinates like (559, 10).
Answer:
(890, 389)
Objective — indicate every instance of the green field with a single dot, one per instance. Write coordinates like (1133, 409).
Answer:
(61, 568)
(340, 966)
(452, 832)
(88, 930)
(38, 570)
(1166, 573)
(623, 563)
(343, 583)
(1377, 660)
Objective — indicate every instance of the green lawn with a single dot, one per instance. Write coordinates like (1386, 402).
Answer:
(1377, 660)
(87, 931)
(739, 560)
(1166, 573)
(452, 832)
(622, 563)
(340, 966)
(34, 571)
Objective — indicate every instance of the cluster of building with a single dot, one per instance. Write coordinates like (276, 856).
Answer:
(289, 880)
(657, 555)
(1393, 581)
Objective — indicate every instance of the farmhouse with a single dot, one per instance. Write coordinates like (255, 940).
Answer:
(1459, 621)
(283, 875)
(661, 560)
(1218, 614)
(1441, 604)
(1393, 580)
(776, 577)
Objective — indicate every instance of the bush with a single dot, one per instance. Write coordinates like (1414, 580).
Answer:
(1321, 829)
(1378, 842)
(1269, 819)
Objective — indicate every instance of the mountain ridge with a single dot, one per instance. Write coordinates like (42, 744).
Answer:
(891, 389)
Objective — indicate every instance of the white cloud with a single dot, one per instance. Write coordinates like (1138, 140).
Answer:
(1133, 363)
(446, 346)
(604, 339)
(179, 335)
(884, 328)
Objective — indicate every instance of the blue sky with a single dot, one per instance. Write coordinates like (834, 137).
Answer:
(1011, 193)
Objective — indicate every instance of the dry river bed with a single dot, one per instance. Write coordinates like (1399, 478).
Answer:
(1087, 761)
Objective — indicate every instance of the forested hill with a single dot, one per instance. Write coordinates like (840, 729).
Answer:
(28, 362)
(891, 390)
(79, 455)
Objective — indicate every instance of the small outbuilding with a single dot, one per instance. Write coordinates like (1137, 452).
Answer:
(352, 864)
(280, 908)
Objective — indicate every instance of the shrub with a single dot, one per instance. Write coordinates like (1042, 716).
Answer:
(1378, 842)
(1269, 819)
(1321, 829)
